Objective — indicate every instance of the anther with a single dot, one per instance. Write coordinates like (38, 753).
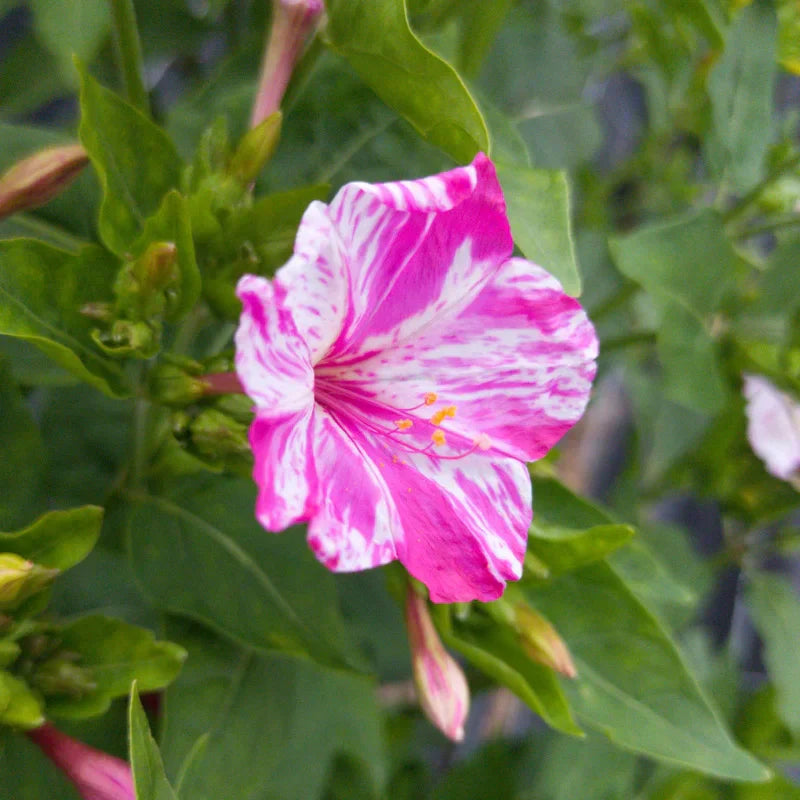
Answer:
(438, 437)
(403, 424)
(430, 398)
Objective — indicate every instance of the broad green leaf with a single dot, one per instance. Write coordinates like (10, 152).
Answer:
(776, 612)
(171, 223)
(556, 505)
(21, 466)
(497, 651)
(43, 78)
(491, 772)
(539, 212)
(200, 553)
(688, 356)
(19, 706)
(147, 766)
(27, 774)
(274, 723)
(71, 27)
(741, 87)
(134, 159)
(115, 653)
(58, 539)
(377, 41)
(479, 26)
(687, 259)
(632, 683)
(561, 549)
(42, 292)
(779, 788)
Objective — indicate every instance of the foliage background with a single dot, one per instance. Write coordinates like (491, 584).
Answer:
(649, 156)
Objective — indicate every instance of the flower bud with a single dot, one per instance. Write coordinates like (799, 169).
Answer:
(441, 685)
(96, 775)
(256, 149)
(21, 579)
(30, 183)
(61, 675)
(541, 641)
(292, 22)
(171, 385)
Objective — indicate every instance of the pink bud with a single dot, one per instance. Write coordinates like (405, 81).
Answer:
(96, 775)
(292, 22)
(40, 177)
(441, 686)
(773, 427)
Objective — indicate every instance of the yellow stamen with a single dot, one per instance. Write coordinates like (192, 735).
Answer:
(438, 437)
(437, 418)
(430, 398)
(403, 424)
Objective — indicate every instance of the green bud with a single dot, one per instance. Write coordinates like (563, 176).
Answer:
(61, 675)
(218, 436)
(541, 641)
(256, 148)
(21, 579)
(171, 385)
(129, 338)
(38, 178)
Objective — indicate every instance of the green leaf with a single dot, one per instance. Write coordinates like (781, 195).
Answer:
(42, 291)
(632, 683)
(776, 612)
(377, 41)
(134, 159)
(200, 553)
(71, 27)
(741, 90)
(147, 767)
(19, 706)
(479, 27)
(539, 212)
(293, 716)
(562, 549)
(115, 654)
(687, 259)
(58, 539)
(497, 651)
(27, 774)
(21, 466)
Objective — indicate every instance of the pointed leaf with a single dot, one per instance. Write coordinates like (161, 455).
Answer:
(147, 767)
(379, 44)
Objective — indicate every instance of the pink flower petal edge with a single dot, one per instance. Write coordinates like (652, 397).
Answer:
(404, 367)
(773, 427)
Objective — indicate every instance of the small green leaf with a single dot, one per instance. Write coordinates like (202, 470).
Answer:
(741, 88)
(114, 653)
(776, 612)
(58, 539)
(42, 292)
(19, 706)
(687, 259)
(377, 41)
(200, 552)
(539, 212)
(147, 767)
(497, 651)
(479, 27)
(134, 159)
(632, 683)
(562, 549)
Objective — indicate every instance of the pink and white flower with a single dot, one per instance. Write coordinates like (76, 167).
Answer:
(773, 427)
(404, 367)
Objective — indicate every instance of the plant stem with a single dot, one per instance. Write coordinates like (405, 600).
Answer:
(628, 339)
(129, 52)
(785, 221)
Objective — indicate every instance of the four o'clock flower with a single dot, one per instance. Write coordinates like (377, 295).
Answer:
(773, 428)
(442, 689)
(404, 367)
(96, 775)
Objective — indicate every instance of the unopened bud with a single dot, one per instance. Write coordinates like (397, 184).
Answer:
(256, 149)
(30, 183)
(441, 686)
(61, 675)
(292, 23)
(541, 641)
(21, 579)
(171, 385)
(96, 775)
(218, 436)
(126, 337)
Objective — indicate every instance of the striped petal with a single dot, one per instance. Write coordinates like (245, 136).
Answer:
(517, 364)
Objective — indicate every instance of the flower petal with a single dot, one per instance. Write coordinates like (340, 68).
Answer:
(773, 426)
(284, 468)
(272, 360)
(414, 250)
(517, 364)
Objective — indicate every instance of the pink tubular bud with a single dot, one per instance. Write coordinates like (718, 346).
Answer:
(441, 686)
(292, 22)
(96, 775)
(30, 183)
